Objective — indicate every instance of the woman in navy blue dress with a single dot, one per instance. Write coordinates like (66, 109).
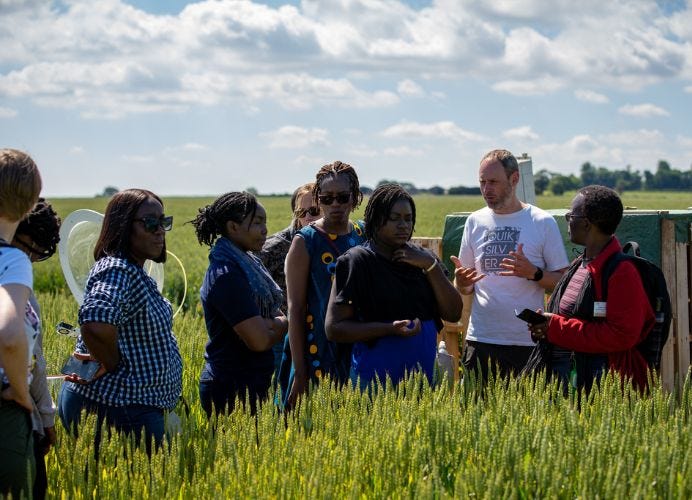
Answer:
(241, 304)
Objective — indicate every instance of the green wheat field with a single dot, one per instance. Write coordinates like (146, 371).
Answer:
(513, 440)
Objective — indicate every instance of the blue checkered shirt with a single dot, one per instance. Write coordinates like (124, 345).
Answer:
(120, 293)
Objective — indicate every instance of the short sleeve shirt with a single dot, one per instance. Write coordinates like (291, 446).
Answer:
(15, 269)
(488, 238)
(120, 293)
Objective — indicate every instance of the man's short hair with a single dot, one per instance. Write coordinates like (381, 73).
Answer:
(20, 184)
(507, 159)
(602, 207)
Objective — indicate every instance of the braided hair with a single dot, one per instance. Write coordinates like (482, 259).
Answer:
(380, 206)
(42, 225)
(333, 170)
(211, 220)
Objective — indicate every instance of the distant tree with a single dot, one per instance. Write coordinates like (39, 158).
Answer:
(253, 191)
(456, 190)
(667, 178)
(108, 191)
(561, 183)
(437, 190)
(366, 190)
(541, 179)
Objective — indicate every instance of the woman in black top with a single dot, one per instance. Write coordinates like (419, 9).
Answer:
(388, 295)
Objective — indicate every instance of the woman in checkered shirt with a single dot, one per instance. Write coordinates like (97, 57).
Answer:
(126, 325)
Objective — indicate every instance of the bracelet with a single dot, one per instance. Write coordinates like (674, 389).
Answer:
(432, 266)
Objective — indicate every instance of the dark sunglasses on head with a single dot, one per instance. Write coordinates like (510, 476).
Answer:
(39, 254)
(151, 224)
(328, 199)
(302, 212)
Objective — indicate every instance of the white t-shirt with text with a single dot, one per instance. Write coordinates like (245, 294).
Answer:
(488, 238)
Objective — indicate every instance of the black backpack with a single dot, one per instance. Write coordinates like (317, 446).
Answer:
(657, 292)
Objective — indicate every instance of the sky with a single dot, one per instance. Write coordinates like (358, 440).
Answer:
(201, 98)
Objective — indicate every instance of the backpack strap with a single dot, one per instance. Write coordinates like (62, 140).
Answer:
(609, 267)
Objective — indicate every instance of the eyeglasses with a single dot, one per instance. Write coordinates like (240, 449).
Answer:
(328, 199)
(569, 216)
(302, 212)
(151, 224)
(37, 254)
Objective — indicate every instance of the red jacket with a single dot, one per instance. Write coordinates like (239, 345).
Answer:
(629, 319)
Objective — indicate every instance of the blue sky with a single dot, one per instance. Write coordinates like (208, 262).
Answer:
(202, 98)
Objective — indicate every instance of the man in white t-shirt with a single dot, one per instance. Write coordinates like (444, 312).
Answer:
(511, 253)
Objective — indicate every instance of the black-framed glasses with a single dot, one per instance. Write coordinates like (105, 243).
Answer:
(37, 254)
(302, 212)
(151, 223)
(569, 216)
(328, 199)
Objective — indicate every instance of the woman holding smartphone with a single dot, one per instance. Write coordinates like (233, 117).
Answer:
(126, 325)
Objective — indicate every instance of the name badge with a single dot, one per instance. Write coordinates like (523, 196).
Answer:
(599, 309)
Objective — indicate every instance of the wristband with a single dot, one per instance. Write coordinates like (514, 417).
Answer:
(432, 266)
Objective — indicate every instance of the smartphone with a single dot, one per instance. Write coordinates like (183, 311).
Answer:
(530, 316)
(85, 369)
(67, 329)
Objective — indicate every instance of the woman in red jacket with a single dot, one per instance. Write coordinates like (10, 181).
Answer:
(589, 336)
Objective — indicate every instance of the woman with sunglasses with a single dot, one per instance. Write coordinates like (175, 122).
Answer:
(310, 267)
(276, 247)
(241, 302)
(126, 326)
(388, 295)
(38, 235)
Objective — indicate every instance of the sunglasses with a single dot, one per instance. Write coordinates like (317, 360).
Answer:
(38, 254)
(302, 212)
(328, 199)
(569, 216)
(151, 224)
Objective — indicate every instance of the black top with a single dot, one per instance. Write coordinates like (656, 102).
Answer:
(382, 290)
(227, 301)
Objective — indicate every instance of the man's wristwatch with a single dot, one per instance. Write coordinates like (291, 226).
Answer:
(538, 276)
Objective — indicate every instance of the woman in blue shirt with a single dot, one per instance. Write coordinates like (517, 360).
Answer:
(388, 295)
(126, 325)
(241, 304)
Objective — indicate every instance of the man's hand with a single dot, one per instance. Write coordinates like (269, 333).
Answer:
(465, 277)
(517, 264)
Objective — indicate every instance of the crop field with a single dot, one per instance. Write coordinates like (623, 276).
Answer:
(512, 440)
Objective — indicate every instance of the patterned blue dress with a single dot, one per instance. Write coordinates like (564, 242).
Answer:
(322, 356)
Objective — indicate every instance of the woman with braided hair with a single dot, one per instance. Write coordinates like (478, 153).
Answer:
(388, 295)
(241, 302)
(310, 267)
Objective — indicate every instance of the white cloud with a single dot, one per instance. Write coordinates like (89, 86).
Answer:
(684, 142)
(688, 89)
(7, 112)
(523, 133)
(76, 150)
(591, 96)
(138, 159)
(403, 151)
(409, 88)
(294, 137)
(437, 130)
(642, 110)
(634, 137)
(537, 86)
